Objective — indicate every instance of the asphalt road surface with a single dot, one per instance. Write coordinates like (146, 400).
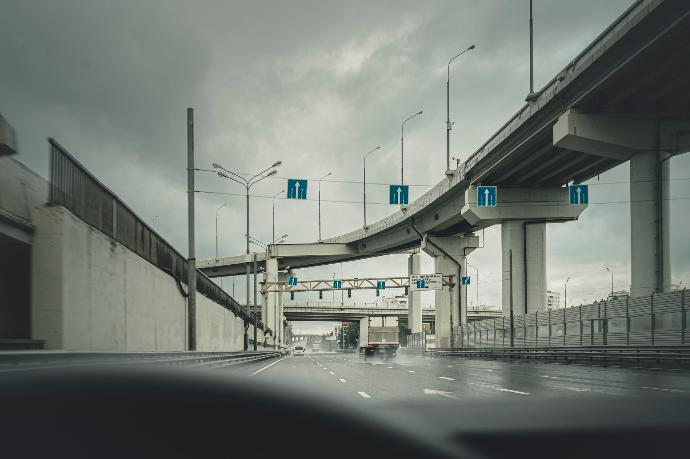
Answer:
(408, 379)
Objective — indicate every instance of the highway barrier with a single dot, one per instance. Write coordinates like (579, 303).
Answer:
(28, 361)
(658, 355)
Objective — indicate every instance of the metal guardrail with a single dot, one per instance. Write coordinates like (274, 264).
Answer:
(29, 361)
(657, 320)
(75, 188)
(679, 355)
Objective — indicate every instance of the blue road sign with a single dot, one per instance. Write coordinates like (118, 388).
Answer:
(297, 189)
(579, 194)
(380, 285)
(465, 280)
(292, 281)
(337, 284)
(486, 196)
(398, 194)
(421, 283)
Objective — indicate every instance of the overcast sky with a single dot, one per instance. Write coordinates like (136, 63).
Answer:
(315, 84)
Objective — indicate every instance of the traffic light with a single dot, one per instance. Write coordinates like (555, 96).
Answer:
(378, 293)
(407, 290)
(321, 294)
(292, 295)
(349, 293)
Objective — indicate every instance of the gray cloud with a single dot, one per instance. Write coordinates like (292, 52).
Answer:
(315, 84)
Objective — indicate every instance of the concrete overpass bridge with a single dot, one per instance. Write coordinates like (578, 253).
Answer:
(329, 311)
(624, 98)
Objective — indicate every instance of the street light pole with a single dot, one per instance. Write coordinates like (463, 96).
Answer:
(273, 233)
(320, 202)
(477, 271)
(609, 270)
(364, 182)
(247, 183)
(402, 148)
(449, 125)
(221, 279)
(565, 296)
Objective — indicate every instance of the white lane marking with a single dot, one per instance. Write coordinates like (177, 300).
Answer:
(577, 389)
(449, 366)
(411, 371)
(390, 368)
(661, 388)
(342, 380)
(268, 366)
(513, 391)
(446, 378)
(489, 370)
(364, 394)
(442, 393)
(331, 373)
(549, 377)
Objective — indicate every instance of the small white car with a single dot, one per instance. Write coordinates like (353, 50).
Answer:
(298, 350)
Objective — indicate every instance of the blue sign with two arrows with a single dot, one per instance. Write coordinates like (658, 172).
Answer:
(486, 196)
(398, 194)
(337, 284)
(297, 189)
(421, 283)
(465, 280)
(292, 281)
(579, 194)
(380, 285)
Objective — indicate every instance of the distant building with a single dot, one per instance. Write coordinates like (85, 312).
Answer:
(553, 300)
(618, 295)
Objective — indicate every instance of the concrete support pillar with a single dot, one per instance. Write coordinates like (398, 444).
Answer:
(527, 241)
(282, 277)
(649, 225)
(363, 331)
(414, 306)
(451, 303)
(270, 303)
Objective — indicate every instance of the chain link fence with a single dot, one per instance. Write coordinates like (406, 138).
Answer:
(659, 319)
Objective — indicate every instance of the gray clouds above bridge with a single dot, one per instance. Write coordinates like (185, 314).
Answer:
(315, 84)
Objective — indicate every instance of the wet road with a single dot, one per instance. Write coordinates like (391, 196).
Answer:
(408, 379)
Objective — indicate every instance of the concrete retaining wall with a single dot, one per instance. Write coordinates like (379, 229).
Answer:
(91, 293)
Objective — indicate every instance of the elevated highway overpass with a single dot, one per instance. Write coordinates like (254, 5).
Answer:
(325, 312)
(625, 97)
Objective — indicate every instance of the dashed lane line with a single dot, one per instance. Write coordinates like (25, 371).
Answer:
(364, 394)
(342, 380)
(268, 366)
(446, 378)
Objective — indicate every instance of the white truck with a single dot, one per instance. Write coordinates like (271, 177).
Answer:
(383, 337)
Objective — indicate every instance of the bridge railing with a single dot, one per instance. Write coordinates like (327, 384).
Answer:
(75, 188)
(660, 319)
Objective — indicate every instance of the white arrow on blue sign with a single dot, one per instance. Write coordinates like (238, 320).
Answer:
(337, 284)
(465, 280)
(579, 194)
(398, 194)
(292, 281)
(486, 196)
(297, 189)
(380, 285)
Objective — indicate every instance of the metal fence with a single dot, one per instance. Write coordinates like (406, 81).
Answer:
(659, 319)
(75, 188)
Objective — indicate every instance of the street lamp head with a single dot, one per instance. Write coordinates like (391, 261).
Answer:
(277, 163)
(220, 174)
(471, 47)
(272, 173)
(420, 112)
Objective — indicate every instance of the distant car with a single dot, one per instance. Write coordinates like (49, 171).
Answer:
(298, 350)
